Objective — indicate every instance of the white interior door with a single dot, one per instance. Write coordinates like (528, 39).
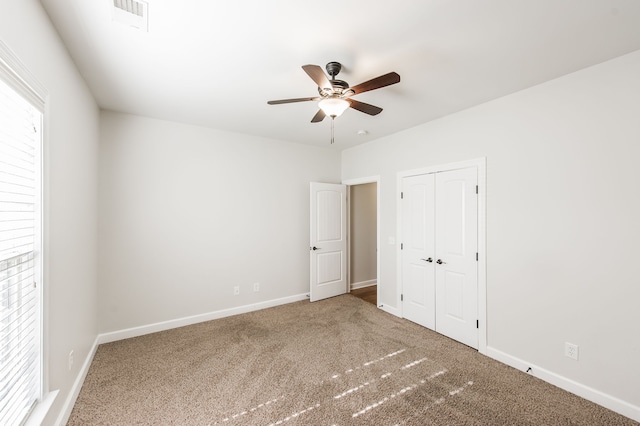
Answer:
(440, 242)
(418, 240)
(456, 267)
(328, 249)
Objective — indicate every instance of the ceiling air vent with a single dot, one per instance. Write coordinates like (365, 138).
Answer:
(132, 12)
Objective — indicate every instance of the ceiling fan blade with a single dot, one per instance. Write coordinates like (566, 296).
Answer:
(376, 83)
(364, 107)
(317, 75)
(288, 101)
(320, 115)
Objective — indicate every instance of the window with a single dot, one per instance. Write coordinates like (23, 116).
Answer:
(20, 246)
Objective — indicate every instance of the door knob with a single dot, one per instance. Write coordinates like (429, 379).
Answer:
(428, 260)
(440, 262)
(314, 248)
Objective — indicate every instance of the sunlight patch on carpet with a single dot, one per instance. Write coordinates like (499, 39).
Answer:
(413, 364)
(294, 415)
(357, 388)
(410, 388)
(251, 410)
(347, 392)
(370, 363)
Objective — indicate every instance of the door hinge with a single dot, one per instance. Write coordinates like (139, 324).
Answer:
(401, 195)
(401, 246)
(477, 323)
(476, 189)
(476, 256)
(402, 297)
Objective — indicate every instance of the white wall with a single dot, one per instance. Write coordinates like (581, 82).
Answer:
(70, 192)
(363, 233)
(562, 218)
(187, 213)
(562, 211)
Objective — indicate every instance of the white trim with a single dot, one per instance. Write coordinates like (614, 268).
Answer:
(390, 310)
(361, 181)
(363, 284)
(195, 319)
(348, 289)
(19, 77)
(481, 165)
(478, 162)
(45, 266)
(586, 392)
(37, 416)
(482, 254)
(67, 407)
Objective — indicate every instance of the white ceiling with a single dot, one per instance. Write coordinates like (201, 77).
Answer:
(217, 63)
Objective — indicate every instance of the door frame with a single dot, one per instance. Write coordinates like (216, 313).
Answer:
(481, 165)
(350, 183)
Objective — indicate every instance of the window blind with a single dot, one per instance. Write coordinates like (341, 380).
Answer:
(20, 348)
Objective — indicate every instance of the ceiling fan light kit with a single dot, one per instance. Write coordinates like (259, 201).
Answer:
(335, 94)
(333, 106)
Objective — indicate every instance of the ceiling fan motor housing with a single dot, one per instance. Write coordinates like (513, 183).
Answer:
(340, 87)
(333, 68)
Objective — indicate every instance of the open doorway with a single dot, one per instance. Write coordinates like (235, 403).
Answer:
(363, 241)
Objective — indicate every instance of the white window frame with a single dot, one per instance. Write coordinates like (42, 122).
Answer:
(16, 75)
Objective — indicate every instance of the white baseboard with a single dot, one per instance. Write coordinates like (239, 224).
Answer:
(65, 413)
(586, 392)
(181, 322)
(363, 284)
(67, 408)
(390, 310)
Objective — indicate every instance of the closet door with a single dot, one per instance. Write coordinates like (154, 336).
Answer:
(440, 242)
(456, 266)
(418, 252)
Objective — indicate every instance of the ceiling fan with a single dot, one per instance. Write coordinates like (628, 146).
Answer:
(335, 95)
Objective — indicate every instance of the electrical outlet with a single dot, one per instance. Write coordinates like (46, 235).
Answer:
(256, 287)
(236, 290)
(70, 360)
(571, 350)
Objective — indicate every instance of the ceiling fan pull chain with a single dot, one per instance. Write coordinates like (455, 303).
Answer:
(332, 120)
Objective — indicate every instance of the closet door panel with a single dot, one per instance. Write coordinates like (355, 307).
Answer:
(418, 284)
(456, 243)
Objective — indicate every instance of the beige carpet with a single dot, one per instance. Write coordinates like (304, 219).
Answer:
(340, 361)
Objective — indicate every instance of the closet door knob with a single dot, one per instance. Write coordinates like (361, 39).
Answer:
(440, 262)
(428, 260)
